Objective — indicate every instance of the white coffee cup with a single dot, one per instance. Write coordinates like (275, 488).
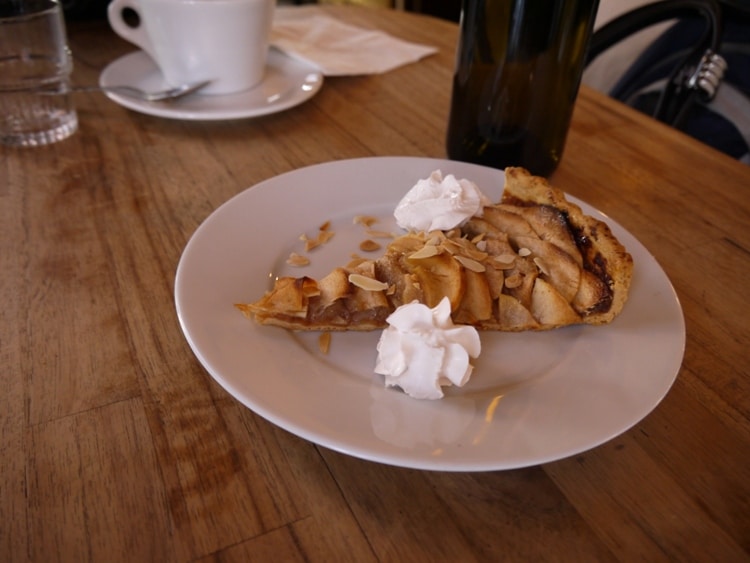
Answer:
(224, 41)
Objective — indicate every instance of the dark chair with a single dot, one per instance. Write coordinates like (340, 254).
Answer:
(696, 75)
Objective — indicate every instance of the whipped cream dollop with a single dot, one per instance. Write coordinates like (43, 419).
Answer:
(422, 350)
(439, 203)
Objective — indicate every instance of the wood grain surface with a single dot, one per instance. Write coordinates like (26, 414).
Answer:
(117, 445)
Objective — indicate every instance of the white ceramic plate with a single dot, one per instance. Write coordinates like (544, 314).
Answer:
(287, 83)
(533, 397)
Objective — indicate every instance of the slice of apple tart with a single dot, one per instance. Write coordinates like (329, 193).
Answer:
(534, 261)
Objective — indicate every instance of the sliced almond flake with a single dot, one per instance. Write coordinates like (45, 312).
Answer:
(325, 236)
(380, 234)
(355, 262)
(391, 290)
(368, 284)
(523, 251)
(297, 260)
(366, 220)
(498, 265)
(324, 342)
(322, 238)
(477, 255)
(434, 240)
(369, 245)
(481, 245)
(541, 265)
(311, 244)
(425, 252)
(325, 226)
(470, 264)
(513, 281)
(452, 246)
(505, 258)
(479, 238)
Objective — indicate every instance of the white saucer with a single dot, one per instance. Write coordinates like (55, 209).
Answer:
(288, 82)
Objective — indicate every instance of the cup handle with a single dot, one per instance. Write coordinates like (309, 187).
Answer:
(135, 34)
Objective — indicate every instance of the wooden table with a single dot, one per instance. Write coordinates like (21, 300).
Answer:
(117, 445)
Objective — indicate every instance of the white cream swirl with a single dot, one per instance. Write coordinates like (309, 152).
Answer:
(422, 350)
(439, 203)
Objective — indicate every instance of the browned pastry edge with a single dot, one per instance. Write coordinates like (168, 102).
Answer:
(602, 252)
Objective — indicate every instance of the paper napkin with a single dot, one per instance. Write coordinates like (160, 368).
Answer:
(340, 49)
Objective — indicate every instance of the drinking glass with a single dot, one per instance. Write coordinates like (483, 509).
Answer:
(35, 65)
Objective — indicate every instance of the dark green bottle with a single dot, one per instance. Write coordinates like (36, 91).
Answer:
(518, 69)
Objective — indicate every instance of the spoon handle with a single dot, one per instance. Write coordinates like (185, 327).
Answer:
(132, 92)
